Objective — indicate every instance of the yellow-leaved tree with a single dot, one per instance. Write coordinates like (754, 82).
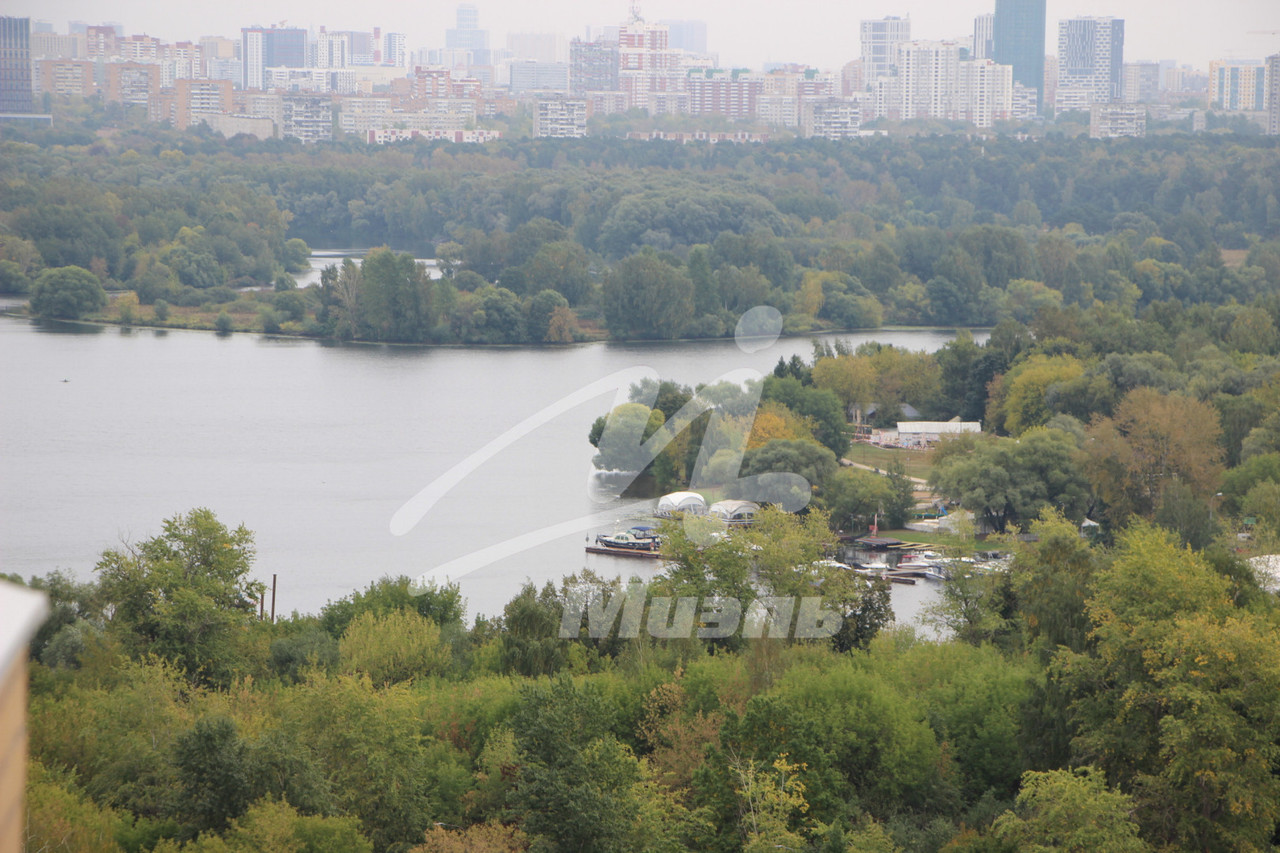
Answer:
(395, 646)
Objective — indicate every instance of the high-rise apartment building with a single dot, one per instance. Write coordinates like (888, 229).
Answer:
(64, 77)
(363, 47)
(928, 77)
(101, 42)
(1017, 39)
(138, 48)
(1091, 57)
(646, 63)
(468, 36)
(1273, 94)
(194, 99)
(984, 35)
(880, 40)
(15, 65)
(851, 77)
(593, 66)
(727, 93)
(1235, 85)
(395, 51)
(331, 50)
(274, 47)
(1141, 82)
(984, 94)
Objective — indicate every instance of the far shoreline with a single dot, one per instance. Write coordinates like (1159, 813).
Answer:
(106, 323)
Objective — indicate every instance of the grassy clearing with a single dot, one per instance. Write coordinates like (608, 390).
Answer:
(917, 462)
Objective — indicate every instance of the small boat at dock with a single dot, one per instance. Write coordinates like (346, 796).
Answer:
(639, 541)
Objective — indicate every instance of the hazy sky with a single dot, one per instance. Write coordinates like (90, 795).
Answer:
(819, 32)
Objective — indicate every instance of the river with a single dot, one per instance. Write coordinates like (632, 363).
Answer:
(104, 432)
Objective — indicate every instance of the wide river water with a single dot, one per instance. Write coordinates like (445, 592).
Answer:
(104, 432)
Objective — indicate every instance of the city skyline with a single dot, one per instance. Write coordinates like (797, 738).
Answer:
(1179, 30)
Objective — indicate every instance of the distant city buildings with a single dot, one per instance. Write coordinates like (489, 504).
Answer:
(261, 49)
(309, 83)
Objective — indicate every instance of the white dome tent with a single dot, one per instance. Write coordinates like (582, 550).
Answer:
(735, 513)
(688, 503)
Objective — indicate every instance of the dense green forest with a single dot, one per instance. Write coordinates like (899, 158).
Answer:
(1092, 697)
(556, 240)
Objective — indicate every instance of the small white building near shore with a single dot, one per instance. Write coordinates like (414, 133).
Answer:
(923, 433)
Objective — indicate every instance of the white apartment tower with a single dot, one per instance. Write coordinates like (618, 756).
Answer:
(1091, 57)
(928, 79)
(394, 51)
(332, 50)
(985, 93)
(253, 55)
(880, 40)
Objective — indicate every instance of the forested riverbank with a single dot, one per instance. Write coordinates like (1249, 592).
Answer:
(1102, 698)
(555, 240)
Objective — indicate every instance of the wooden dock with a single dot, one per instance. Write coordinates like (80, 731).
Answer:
(624, 552)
